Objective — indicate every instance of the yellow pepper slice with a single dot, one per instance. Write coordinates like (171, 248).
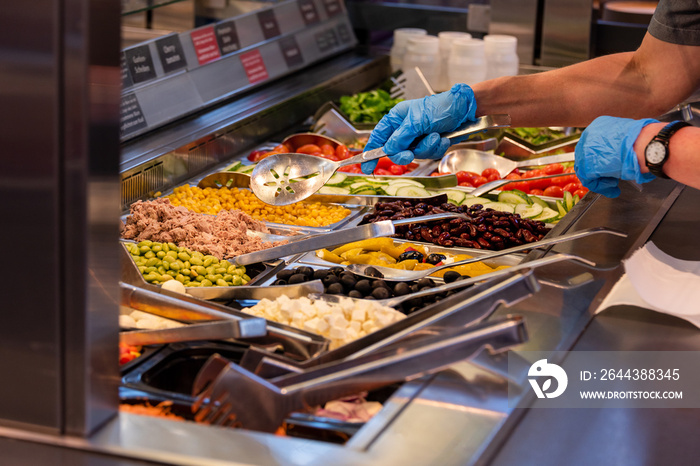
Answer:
(372, 244)
(326, 255)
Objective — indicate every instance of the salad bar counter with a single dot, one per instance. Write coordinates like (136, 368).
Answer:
(388, 302)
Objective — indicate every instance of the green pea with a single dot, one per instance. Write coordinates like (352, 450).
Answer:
(211, 277)
(207, 262)
(200, 278)
(194, 284)
(172, 273)
(142, 268)
(220, 270)
(172, 255)
(228, 277)
(231, 269)
(140, 260)
(199, 269)
(175, 265)
(179, 277)
(165, 247)
(166, 265)
(186, 265)
(144, 249)
(206, 282)
(246, 278)
(173, 247)
(166, 277)
(149, 255)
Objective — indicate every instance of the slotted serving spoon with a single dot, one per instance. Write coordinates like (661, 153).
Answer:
(408, 275)
(477, 161)
(283, 179)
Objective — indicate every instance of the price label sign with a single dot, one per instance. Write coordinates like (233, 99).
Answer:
(172, 58)
(254, 66)
(126, 77)
(344, 33)
(205, 45)
(308, 12)
(227, 37)
(140, 63)
(333, 7)
(268, 24)
(131, 116)
(291, 51)
(326, 40)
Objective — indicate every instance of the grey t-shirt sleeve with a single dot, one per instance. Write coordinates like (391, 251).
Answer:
(677, 21)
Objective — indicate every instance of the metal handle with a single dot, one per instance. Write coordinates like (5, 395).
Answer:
(221, 330)
(491, 185)
(547, 159)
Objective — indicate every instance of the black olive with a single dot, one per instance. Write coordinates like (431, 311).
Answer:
(372, 272)
(336, 270)
(329, 279)
(411, 255)
(413, 302)
(425, 281)
(435, 258)
(285, 274)
(379, 284)
(364, 287)
(355, 294)
(280, 282)
(381, 293)
(369, 297)
(308, 271)
(451, 276)
(319, 274)
(348, 281)
(401, 289)
(414, 287)
(297, 278)
(335, 288)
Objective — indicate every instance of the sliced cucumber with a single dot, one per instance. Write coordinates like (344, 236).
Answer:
(548, 215)
(406, 181)
(333, 190)
(568, 201)
(501, 206)
(454, 196)
(336, 179)
(412, 191)
(246, 169)
(476, 200)
(392, 188)
(529, 211)
(366, 192)
(576, 199)
(513, 197)
(538, 200)
(234, 167)
(561, 208)
(362, 187)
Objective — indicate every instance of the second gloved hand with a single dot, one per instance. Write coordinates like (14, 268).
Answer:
(605, 154)
(429, 116)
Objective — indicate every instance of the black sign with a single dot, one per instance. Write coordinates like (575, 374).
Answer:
(308, 11)
(126, 77)
(132, 118)
(332, 7)
(140, 64)
(344, 33)
(227, 37)
(291, 52)
(268, 23)
(326, 40)
(170, 52)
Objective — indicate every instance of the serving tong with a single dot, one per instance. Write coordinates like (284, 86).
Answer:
(229, 395)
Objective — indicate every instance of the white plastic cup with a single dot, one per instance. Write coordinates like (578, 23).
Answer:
(467, 62)
(446, 38)
(423, 52)
(398, 48)
(501, 55)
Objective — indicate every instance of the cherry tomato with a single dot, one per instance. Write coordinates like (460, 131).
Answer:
(466, 176)
(487, 173)
(553, 169)
(412, 166)
(514, 185)
(554, 191)
(479, 180)
(327, 149)
(536, 192)
(382, 172)
(342, 152)
(581, 192)
(256, 155)
(397, 170)
(493, 177)
(311, 149)
(332, 157)
(571, 187)
(536, 184)
(354, 168)
(384, 163)
(436, 174)
(467, 184)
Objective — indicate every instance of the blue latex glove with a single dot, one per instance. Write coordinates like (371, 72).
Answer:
(605, 154)
(429, 116)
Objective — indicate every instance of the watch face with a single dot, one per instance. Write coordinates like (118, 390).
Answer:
(656, 152)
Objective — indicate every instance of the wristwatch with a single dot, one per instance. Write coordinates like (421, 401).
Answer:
(656, 152)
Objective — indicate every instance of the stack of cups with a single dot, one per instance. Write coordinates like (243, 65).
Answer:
(446, 39)
(398, 49)
(423, 52)
(501, 55)
(467, 62)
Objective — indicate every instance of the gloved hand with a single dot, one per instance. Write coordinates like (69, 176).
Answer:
(605, 154)
(430, 115)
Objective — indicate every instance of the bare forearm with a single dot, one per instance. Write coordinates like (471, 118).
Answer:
(682, 164)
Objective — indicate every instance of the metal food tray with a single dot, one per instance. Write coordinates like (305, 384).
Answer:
(517, 148)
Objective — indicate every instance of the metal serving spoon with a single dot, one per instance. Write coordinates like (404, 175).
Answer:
(283, 179)
(390, 274)
(477, 161)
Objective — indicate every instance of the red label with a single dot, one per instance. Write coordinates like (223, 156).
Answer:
(254, 66)
(205, 45)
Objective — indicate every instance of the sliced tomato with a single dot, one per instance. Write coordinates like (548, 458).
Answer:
(256, 155)
(467, 184)
(466, 176)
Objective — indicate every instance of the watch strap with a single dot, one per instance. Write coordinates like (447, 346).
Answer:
(664, 137)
